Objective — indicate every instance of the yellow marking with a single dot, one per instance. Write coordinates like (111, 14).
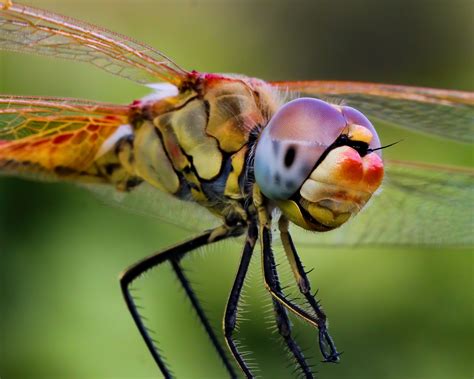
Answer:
(151, 162)
(124, 155)
(358, 133)
(233, 112)
(285, 239)
(326, 217)
(189, 126)
(171, 144)
(180, 162)
(7, 4)
(293, 212)
(232, 187)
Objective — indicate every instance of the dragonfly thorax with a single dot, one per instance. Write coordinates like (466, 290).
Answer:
(196, 145)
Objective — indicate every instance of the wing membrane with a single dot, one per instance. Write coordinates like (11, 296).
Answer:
(444, 113)
(419, 205)
(149, 201)
(42, 134)
(30, 125)
(33, 30)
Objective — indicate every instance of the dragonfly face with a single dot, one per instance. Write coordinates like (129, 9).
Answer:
(315, 159)
(234, 146)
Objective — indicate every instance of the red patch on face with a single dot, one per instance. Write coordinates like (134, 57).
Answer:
(373, 170)
(351, 169)
(62, 138)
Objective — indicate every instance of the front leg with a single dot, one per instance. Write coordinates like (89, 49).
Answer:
(326, 344)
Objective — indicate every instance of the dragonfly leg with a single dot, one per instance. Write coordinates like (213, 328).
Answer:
(284, 328)
(230, 316)
(326, 343)
(174, 255)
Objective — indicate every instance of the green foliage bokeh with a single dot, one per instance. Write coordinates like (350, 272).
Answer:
(395, 312)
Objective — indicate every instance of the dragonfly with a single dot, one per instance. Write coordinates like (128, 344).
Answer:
(258, 158)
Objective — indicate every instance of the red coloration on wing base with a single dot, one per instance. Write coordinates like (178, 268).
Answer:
(72, 150)
(62, 138)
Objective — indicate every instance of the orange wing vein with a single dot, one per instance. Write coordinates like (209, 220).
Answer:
(41, 135)
(33, 30)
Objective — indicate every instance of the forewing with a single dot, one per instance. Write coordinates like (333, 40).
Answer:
(36, 31)
(40, 135)
(444, 113)
(418, 205)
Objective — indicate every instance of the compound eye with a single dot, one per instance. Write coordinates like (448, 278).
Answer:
(353, 116)
(291, 144)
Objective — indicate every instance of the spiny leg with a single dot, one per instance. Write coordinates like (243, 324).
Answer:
(326, 342)
(264, 222)
(174, 255)
(267, 256)
(284, 328)
(230, 317)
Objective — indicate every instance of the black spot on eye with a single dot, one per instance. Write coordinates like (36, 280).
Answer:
(290, 156)
(277, 179)
(276, 147)
(290, 184)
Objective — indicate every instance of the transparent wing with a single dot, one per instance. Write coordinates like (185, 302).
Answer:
(25, 116)
(36, 31)
(419, 205)
(42, 134)
(149, 201)
(445, 113)
(37, 135)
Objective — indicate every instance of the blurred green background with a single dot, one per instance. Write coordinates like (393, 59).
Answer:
(395, 312)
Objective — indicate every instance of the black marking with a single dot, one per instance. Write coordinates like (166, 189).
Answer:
(207, 109)
(230, 105)
(290, 156)
(110, 168)
(384, 147)
(276, 147)
(344, 140)
(277, 179)
(132, 183)
(64, 171)
(290, 184)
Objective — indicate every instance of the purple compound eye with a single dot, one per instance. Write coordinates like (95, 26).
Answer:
(291, 144)
(353, 116)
